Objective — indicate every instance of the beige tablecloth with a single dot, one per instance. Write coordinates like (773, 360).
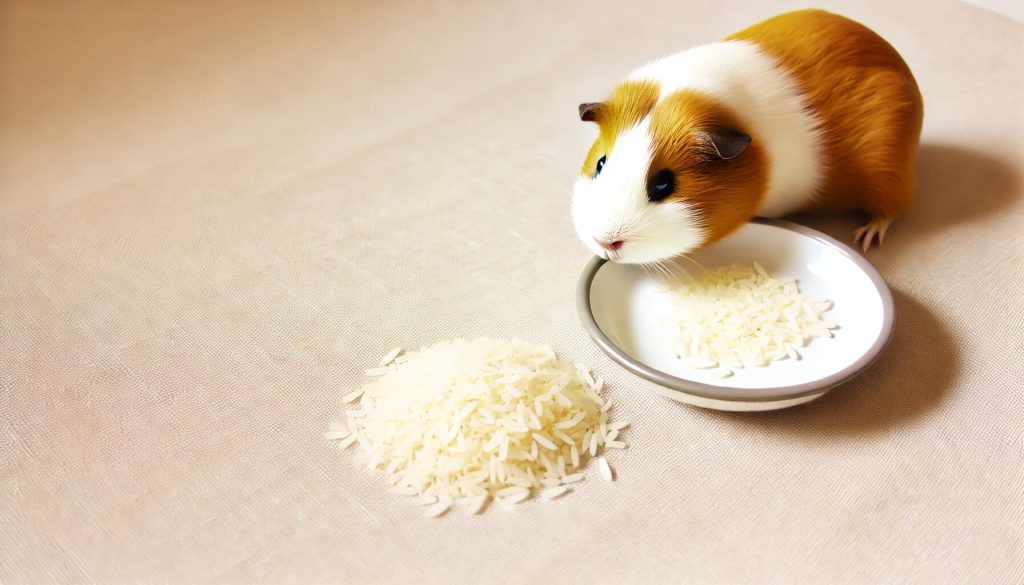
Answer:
(215, 216)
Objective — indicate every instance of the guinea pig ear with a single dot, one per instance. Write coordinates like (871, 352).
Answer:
(591, 111)
(725, 144)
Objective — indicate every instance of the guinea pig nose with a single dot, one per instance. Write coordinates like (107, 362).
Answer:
(610, 246)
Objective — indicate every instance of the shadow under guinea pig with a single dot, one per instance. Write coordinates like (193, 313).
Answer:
(955, 185)
(911, 377)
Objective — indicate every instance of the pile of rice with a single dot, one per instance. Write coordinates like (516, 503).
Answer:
(740, 316)
(466, 421)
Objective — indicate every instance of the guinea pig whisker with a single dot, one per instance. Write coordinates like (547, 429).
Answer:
(669, 276)
(681, 269)
(667, 270)
(692, 261)
(665, 275)
(649, 268)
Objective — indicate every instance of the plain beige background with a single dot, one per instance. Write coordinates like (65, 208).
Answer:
(213, 216)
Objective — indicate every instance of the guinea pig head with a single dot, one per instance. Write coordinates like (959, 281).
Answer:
(665, 177)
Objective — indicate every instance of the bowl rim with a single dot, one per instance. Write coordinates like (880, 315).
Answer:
(734, 393)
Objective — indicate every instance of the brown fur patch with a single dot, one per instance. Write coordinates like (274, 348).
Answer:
(628, 105)
(866, 98)
(726, 193)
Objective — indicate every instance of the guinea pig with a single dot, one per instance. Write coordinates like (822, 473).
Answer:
(807, 111)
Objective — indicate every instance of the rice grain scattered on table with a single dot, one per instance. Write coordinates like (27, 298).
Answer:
(389, 357)
(467, 421)
(605, 469)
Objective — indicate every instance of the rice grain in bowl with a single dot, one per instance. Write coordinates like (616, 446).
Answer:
(623, 309)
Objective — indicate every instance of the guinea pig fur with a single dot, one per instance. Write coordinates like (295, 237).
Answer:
(807, 111)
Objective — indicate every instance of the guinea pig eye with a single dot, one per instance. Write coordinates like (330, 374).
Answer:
(600, 165)
(662, 185)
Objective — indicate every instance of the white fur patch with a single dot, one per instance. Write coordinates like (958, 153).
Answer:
(614, 206)
(766, 99)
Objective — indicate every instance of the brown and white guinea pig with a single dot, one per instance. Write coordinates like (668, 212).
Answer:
(806, 111)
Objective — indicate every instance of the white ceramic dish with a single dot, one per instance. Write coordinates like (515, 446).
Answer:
(621, 308)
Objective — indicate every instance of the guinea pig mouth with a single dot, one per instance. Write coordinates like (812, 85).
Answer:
(612, 254)
(616, 256)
